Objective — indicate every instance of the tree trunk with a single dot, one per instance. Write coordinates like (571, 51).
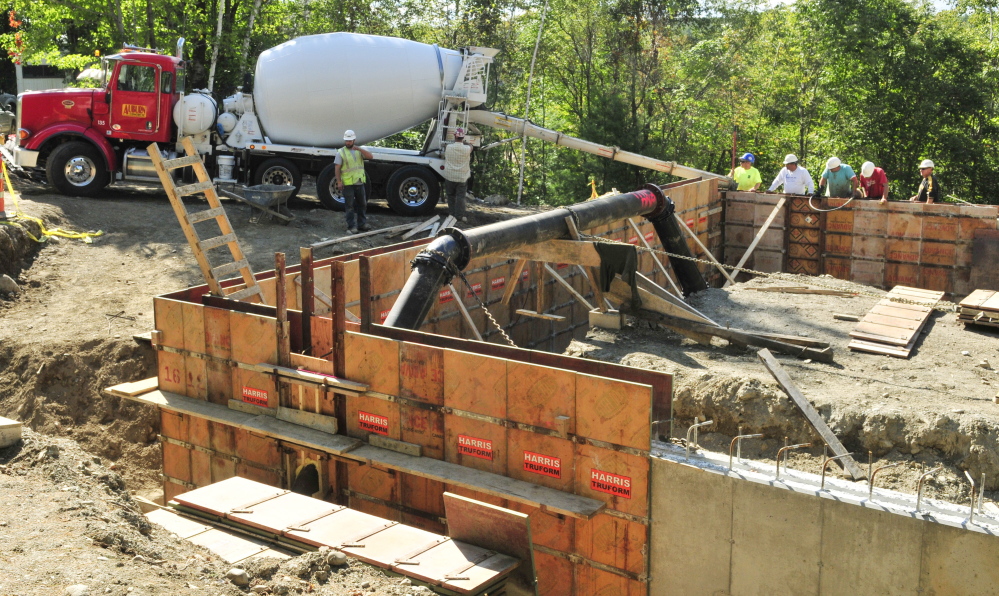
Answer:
(246, 40)
(216, 45)
(150, 25)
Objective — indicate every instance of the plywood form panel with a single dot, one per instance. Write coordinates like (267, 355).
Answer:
(471, 494)
(370, 415)
(536, 395)
(176, 461)
(613, 541)
(268, 477)
(871, 247)
(839, 221)
(352, 283)
(254, 341)
(590, 580)
(421, 373)
(423, 427)
(201, 468)
(904, 225)
(388, 272)
(555, 575)
(322, 337)
(372, 481)
(174, 425)
(475, 444)
(451, 326)
(737, 211)
(613, 411)
(171, 490)
(968, 225)
(322, 279)
(373, 360)
(936, 278)
(870, 223)
(422, 494)
(540, 459)
(868, 272)
(619, 479)
(258, 449)
(772, 262)
(838, 268)
(901, 275)
(836, 244)
(169, 321)
(218, 344)
(222, 438)
(902, 250)
(940, 228)
(196, 371)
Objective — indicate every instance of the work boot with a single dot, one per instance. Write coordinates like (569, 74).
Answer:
(352, 231)
(364, 227)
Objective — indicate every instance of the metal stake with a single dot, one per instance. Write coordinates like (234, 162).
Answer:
(919, 485)
(737, 442)
(981, 494)
(694, 428)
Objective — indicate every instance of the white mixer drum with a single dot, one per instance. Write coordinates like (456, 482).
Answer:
(309, 90)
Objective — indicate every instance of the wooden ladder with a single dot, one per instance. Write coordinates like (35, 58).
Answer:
(252, 291)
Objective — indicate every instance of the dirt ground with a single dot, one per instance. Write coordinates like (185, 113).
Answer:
(937, 407)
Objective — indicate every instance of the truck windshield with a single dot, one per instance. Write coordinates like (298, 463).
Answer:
(107, 66)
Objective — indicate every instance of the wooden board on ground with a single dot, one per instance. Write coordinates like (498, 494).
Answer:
(810, 413)
(892, 328)
(492, 528)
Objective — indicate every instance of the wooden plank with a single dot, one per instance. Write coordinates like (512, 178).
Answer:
(235, 493)
(977, 298)
(491, 484)
(756, 240)
(231, 548)
(493, 528)
(879, 348)
(183, 527)
(464, 312)
(655, 257)
(703, 248)
(662, 304)
(361, 235)
(283, 511)
(883, 333)
(559, 251)
(539, 315)
(420, 227)
(136, 388)
(810, 413)
(891, 310)
(904, 324)
(797, 290)
(261, 424)
(561, 280)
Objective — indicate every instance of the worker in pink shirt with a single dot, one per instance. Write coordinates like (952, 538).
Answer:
(873, 182)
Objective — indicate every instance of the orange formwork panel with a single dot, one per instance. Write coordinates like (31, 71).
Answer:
(613, 541)
(219, 375)
(619, 479)
(475, 444)
(196, 370)
(171, 369)
(475, 383)
(374, 361)
(421, 373)
(540, 459)
(254, 341)
(614, 411)
(539, 395)
(371, 415)
(423, 427)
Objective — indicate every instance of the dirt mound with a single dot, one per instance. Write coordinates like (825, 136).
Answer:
(17, 248)
(58, 389)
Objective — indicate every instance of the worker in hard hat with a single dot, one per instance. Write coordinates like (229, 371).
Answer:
(457, 170)
(747, 176)
(841, 178)
(929, 190)
(350, 179)
(795, 178)
(873, 182)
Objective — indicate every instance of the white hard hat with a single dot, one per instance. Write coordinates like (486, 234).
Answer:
(867, 169)
(459, 132)
(349, 135)
(926, 163)
(790, 158)
(833, 162)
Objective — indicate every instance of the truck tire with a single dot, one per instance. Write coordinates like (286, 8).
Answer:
(77, 169)
(278, 170)
(327, 191)
(413, 190)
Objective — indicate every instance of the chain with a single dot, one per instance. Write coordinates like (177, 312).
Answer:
(944, 306)
(454, 270)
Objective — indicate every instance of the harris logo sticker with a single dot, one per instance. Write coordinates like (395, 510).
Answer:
(545, 465)
(612, 484)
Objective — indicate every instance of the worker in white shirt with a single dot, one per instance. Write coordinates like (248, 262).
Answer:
(795, 178)
(457, 170)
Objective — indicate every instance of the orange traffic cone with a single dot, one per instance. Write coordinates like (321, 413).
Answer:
(3, 211)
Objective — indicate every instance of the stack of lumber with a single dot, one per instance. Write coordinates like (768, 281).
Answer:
(892, 326)
(981, 307)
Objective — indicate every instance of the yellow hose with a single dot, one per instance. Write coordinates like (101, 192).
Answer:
(18, 214)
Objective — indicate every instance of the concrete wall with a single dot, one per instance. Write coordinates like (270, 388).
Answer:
(716, 535)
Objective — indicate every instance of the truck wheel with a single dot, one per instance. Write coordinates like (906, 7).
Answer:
(327, 191)
(77, 169)
(413, 190)
(278, 170)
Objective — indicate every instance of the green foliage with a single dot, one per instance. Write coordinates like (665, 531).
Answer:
(888, 81)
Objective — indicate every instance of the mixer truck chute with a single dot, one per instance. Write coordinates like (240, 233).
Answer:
(306, 93)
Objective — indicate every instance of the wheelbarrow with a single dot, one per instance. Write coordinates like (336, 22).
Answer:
(270, 199)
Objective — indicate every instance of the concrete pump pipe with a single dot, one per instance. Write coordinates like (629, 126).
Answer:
(432, 268)
(520, 126)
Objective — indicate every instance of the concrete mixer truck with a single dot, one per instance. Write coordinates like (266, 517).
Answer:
(290, 122)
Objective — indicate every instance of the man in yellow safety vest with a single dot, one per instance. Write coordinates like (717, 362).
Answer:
(350, 179)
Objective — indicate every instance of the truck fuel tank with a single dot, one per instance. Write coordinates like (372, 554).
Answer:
(309, 90)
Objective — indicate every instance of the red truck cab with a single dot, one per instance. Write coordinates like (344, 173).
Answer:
(81, 137)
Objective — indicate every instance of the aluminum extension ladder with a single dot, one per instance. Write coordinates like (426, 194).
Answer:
(239, 263)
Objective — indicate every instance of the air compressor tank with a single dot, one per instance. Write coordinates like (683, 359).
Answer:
(311, 89)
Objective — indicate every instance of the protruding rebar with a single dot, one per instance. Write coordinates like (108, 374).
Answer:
(694, 428)
(825, 463)
(783, 452)
(919, 485)
(737, 440)
(981, 494)
(971, 517)
(870, 490)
